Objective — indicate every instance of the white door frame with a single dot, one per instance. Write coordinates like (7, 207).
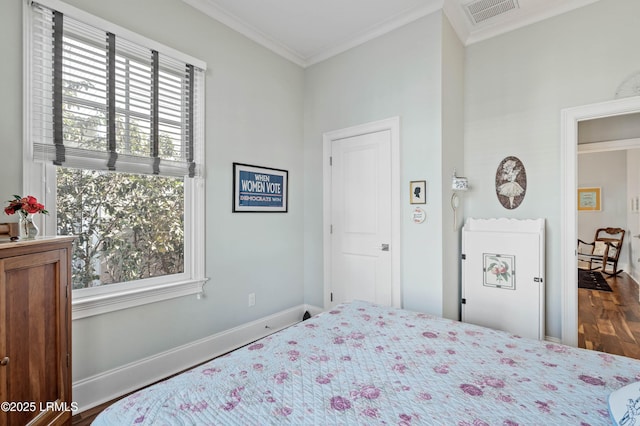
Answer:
(393, 125)
(570, 117)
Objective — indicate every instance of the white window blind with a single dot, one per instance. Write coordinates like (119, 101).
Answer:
(102, 102)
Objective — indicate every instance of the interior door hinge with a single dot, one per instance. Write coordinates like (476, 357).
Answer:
(332, 296)
(331, 229)
(331, 161)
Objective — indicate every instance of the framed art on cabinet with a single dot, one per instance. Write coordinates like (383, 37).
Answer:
(499, 271)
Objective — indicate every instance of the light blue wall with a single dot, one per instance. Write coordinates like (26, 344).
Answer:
(453, 60)
(254, 102)
(11, 105)
(516, 86)
(398, 74)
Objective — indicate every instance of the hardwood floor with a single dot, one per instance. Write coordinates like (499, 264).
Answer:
(610, 321)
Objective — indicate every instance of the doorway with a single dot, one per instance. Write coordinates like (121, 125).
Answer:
(570, 118)
(370, 268)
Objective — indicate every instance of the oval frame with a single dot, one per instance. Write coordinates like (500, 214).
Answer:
(511, 182)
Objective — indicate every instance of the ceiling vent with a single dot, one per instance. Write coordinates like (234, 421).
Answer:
(481, 10)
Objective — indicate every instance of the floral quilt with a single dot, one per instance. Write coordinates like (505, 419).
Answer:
(362, 364)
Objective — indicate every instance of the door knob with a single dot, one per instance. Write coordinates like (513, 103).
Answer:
(4, 361)
(384, 247)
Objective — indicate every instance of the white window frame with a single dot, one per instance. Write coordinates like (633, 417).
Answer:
(39, 180)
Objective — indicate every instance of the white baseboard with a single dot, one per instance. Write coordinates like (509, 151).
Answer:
(104, 387)
(552, 339)
(313, 310)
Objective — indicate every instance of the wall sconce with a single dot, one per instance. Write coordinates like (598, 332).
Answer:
(458, 184)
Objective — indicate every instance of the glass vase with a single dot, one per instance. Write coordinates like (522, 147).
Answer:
(28, 229)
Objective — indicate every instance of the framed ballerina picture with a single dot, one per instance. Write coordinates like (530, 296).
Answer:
(511, 182)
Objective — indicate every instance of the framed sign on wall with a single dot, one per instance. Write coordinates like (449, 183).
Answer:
(259, 189)
(589, 199)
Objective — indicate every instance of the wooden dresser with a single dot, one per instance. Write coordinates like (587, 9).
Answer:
(35, 331)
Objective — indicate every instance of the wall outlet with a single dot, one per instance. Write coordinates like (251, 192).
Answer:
(252, 299)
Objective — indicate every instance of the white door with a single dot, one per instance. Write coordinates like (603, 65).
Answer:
(502, 282)
(361, 219)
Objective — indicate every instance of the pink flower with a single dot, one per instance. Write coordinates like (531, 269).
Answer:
(230, 405)
(370, 392)
(425, 396)
(284, 411)
(400, 368)
(322, 380)
(506, 398)
(371, 412)
(591, 380)
(293, 355)
(441, 369)
(494, 383)
(196, 408)
(543, 406)
(256, 346)
(507, 361)
(281, 377)
(471, 389)
(340, 404)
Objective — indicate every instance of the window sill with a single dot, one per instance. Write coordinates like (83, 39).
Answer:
(97, 304)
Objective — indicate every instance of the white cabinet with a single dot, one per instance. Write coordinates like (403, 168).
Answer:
(503, 275)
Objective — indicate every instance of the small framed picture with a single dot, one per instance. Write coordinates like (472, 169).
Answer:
(589, 199)
(418, 192)
(499, 271)
(259, 189)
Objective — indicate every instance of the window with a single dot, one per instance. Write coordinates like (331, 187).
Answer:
(115, 131)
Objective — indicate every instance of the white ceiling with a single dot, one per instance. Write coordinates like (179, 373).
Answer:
(309, 31)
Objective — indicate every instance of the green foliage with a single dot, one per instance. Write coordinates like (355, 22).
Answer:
(128, 226)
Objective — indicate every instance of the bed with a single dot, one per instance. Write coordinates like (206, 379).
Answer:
(362, 364)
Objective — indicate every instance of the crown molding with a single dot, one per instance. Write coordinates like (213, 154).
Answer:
(378, 30)
(544, 9)
(452, 9)
(252, 33)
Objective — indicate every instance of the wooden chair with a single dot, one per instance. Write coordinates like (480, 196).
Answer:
(603, 252)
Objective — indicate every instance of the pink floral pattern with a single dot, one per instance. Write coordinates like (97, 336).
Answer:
(362, 364)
